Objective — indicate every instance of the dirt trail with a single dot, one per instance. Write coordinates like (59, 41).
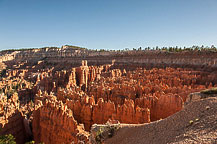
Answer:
(196, 123)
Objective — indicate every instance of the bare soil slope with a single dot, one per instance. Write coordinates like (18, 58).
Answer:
(196, 123)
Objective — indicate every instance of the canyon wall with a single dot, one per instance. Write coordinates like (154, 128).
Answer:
(73, 56)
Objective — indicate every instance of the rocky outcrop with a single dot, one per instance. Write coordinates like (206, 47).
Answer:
(72, 78)
(12, 120)
(14, 124)
(201, 95)
(88, 112)
(82, 74)
(165, 106)
(100, 132)
(54, 123)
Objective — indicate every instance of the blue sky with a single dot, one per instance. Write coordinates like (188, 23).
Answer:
(107, 24)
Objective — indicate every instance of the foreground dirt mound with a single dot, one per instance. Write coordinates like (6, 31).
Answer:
(196, 123)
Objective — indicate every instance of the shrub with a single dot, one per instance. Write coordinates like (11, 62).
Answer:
(191, 122)
(210, 91)
(7, 139)
(31, 142)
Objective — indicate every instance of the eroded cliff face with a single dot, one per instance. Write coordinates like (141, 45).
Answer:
(72, 57)
(56, 96)
(53, 123)
(12, 120)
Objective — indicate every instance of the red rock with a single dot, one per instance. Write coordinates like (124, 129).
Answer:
(54, 123)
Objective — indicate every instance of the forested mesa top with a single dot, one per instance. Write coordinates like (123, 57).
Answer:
(71, 51)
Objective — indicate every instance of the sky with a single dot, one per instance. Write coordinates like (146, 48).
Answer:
(107, 24)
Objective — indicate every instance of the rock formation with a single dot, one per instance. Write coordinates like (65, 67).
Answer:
(54, 123)
(12, 120)
(61, 92)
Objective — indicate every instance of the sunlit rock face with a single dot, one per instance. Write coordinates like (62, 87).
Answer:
(54, 123)
(55, 95)
(12, 120)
